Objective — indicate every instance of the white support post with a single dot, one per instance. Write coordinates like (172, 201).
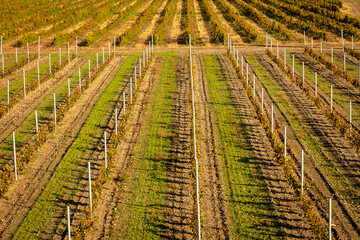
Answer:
(331, 98)
(315, 85)
(312, 44)
(234, 52)
(16, 56)
(15, 165)
(147, 54)
(68, 223)
(103, 57)
(303, 74)
(254, 93)
(97, 61)
(329, 218)
(304, 39)
(230, 45)
(332, 55)
(124, 105)
(50, 63)
(135, 79)
(28, 52)
(237, 57)
(69, 88)
(271, 44)
(116, 127)
(80, 80)
(76, 46)
(1, 45)
(24, 81)
(8, 93)
(350, 115)
(342, 40)
(54, 110)
(131, 90)
(262, 100)
(272, 119)
(39, 47)
(105, 147)
(293, 66)
(109, 49)
(284, 142)
(247, 74)
(140, 67)
(285, 58)
(68, 47)
(152, 44)
(242, 65)
(36, 122)
(3, 64)
(266, 45)
(302, 172)
(150, 54)
(90, 192)
(38, 72)
(277, 50)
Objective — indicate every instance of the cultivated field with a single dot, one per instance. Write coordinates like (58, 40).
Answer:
(180, 119)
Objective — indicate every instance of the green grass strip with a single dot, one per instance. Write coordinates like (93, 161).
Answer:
(141, 213)
(251, 210)
(62, 186)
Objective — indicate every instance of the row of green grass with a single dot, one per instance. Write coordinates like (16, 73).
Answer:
(43, 218)
(251, 210)
(141, 212)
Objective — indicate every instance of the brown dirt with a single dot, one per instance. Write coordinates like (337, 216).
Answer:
(25, 191)
(110, 192)
(214, 217)
(25, 107)
(148, 28)
(290, 215)
(179, 203)
(336, 148)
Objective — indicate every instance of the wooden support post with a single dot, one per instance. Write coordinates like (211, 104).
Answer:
(105, 147)
(90, 192)
(320, 47)
(15, 165)
(312, 44)
(271, 44)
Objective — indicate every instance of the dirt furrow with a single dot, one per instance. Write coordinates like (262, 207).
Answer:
(25, 107)
(110, 192)
(336, 150)
(214, 219)
(291, 217)
(179, 203)
(23, 193)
